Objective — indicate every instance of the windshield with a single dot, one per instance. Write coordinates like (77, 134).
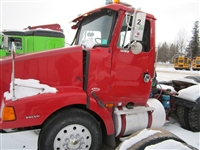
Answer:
(17, 42)
(198, 62)
(181, 61)
(97, 27)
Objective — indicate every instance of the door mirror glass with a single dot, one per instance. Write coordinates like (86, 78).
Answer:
(136, 47)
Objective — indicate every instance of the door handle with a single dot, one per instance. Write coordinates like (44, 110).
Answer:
(146, 77)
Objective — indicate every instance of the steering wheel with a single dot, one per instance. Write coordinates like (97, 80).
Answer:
(97, 41)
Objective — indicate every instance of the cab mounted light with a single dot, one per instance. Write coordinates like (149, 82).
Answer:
(117, 1)
(8, 113)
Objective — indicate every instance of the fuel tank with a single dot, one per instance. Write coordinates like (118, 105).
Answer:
(128, 121)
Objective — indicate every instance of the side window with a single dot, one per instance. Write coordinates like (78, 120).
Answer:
(18, 43)
(124, 36)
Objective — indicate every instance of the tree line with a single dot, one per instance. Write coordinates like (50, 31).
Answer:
(167, 52)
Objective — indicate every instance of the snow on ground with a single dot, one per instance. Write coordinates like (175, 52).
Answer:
(192, 138)
(142, 135)
(166, 72)
(28, 140)
(19, 141)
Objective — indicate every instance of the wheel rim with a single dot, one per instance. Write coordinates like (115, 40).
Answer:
(73, 137)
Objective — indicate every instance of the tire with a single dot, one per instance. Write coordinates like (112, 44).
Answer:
(194, 120)
(195, 78)
(182, 114)
(154, 139)
(69, 129)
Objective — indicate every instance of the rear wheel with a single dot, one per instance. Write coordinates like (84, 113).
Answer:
(152, 139)
(71, 129)
(194, 120)
(182, 114)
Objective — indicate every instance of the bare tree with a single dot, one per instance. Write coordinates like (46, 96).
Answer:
(182, 40)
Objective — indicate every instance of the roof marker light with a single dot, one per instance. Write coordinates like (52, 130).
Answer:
(117, 1)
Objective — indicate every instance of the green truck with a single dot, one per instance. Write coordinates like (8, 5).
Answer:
(28, 41)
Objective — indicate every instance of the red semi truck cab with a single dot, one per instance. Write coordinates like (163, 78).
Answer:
(98, 87)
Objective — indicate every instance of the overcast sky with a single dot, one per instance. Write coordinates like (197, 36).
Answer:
(173, 16)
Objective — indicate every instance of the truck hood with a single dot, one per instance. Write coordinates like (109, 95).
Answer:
(56, 68)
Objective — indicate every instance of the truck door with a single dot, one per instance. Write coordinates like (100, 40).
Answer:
(128, 71)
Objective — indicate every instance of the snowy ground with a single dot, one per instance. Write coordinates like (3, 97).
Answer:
(167, 72)
(28, 140)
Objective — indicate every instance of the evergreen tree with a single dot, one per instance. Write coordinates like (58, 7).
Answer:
(163, 53)
(193, 49)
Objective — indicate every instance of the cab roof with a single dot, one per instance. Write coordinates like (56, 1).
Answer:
(36, 32)
(112, 6)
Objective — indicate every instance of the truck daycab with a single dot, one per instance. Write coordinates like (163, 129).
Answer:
(101, 83)
(182, 62)
(196, 63)
(34, 39)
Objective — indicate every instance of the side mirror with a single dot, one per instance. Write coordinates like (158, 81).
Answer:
(136, 47)
(5, 42)
(11, 44)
